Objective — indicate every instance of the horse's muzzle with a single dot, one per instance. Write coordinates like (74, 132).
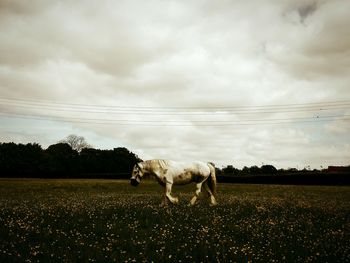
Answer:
(134, 182)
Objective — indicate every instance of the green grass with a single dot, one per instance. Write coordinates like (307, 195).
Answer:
(108, 220)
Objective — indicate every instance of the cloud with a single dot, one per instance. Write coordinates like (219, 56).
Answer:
(338, 127)
(317, 44)
(164, 54)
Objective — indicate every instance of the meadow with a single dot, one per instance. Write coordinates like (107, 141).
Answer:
(111, 221)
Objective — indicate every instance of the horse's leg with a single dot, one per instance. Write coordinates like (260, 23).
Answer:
(211, 196)
(168, 187)
(198, 190)
(165, 199)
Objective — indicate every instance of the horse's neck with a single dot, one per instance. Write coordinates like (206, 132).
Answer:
(148, 167)
(153, 167)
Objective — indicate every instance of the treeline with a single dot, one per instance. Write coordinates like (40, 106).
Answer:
(268, 169)
(62, 161)
(268, 174)
(67, 159)
(229, 170)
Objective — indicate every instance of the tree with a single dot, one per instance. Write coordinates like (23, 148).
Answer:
(20, 159)
(245, 170)
(230, 170)
(254, 170)
(76, 142)
(61, 150)
(61, 159)
(268, 169)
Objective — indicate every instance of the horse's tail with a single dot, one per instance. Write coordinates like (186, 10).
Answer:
(212, 179)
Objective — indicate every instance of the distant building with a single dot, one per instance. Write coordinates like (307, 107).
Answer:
(338, 169)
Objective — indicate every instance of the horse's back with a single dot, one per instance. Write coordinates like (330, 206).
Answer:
(196, 166)
(183, 172)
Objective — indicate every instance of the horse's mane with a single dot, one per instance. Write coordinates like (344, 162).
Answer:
(156, 162)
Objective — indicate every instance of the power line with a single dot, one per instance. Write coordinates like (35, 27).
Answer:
(9, 104)
(179, 122)
(310, 104)
(198, 113)
(127, 110)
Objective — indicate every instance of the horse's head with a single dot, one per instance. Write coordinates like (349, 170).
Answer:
(137, 174)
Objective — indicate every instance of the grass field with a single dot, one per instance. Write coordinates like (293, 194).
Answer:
(108, 220)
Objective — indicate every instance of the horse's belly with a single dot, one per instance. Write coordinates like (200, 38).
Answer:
(184, 178)
(182, 181)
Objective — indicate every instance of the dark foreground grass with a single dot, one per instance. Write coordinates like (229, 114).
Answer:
(104, 221)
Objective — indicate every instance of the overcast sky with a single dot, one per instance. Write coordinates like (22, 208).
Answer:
(231, 82)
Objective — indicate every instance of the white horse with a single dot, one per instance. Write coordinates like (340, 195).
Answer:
(168, 173)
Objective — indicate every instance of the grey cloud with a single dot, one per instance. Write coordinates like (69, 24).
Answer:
(18, 7)
(318, 47)
(307, 10)
(76, 34)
